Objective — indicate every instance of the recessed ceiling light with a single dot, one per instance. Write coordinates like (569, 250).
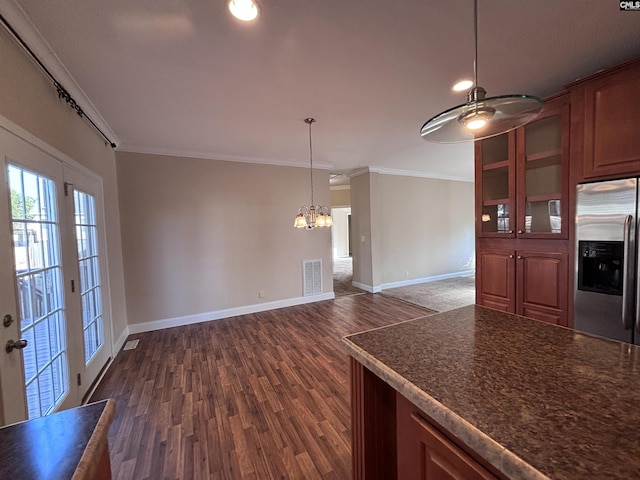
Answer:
(245, 10)
(462, 85)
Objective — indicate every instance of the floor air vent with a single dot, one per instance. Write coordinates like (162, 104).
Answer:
(312, 274)
(131, 344)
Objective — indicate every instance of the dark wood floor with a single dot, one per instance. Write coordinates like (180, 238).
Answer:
(251, 397)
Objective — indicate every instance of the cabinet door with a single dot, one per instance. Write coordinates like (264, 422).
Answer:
(611, 138)
(543, 173)
(495, 277)
(495, 186)
(542, 286)
(425, 454)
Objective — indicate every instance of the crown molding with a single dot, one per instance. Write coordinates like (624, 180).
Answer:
(219, 157)
(413, 173)
(407, 173)
(23, 26)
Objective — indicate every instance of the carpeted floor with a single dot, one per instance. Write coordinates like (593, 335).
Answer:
(439, 296)
(342, 278)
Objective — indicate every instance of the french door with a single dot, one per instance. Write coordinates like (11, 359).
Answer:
(54, 332)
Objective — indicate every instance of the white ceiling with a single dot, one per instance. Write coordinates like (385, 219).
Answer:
(183, 77)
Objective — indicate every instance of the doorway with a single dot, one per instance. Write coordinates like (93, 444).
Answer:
(341, 252)
(51, 272)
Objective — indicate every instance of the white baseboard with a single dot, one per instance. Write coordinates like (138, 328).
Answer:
(415, 281)
(367, 288)
(220, 314)
(120, 342)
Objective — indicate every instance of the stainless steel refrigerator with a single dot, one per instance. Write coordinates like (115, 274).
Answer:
(606, 281)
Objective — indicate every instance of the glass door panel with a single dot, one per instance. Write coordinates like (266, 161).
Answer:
(496, 171)
(38, 276)
(93, 327)
(89, 266)
(543, 171)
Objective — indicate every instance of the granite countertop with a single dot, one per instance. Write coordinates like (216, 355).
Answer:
(535, 400)
(64, 445)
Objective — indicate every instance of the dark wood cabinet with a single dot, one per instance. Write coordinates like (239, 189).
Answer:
(542, 172)
(542, 285)
(393, 439)
(426, 454)
(495, 279)
(526, 282)
(607, 106)
(522, 178)
(522, 217)
(495, 186)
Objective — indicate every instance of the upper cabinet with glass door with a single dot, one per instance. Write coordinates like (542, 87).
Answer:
(542, 173)
(522, 178)
(495, 186)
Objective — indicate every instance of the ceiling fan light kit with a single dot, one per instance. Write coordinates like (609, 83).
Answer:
(481, 117)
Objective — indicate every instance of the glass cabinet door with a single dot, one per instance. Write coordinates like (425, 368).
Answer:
(542, 174)
(496, 185)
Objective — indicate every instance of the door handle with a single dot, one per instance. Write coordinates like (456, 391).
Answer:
(12, 345)
(627, 276)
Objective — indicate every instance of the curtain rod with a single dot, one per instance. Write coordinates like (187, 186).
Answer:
(62, 92)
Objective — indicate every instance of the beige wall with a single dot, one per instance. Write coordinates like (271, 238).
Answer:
(428, 227)
(203, 235)
(29, 99)
(413, 228)
(361, 230)
(340, 196)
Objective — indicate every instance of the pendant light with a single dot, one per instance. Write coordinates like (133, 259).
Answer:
(312, 216)
(481, 117)
(245, 10)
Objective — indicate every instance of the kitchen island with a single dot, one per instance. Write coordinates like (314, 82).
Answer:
(68, 445)
(511, 397)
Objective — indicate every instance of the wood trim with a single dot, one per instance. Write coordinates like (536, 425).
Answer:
(603, 73)
(373, 423)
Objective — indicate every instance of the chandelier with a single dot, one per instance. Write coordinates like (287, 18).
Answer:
(314, 215)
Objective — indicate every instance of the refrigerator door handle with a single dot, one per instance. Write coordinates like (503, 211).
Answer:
(637, 298)
(627, 276)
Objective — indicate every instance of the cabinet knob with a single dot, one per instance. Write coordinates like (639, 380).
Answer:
(510, 231)
(519, 257)
(520, 231)
(510, 256)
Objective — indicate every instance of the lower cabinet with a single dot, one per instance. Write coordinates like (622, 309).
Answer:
(526, 282)
(425, 454)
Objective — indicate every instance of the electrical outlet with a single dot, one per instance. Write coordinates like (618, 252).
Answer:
(406, 273)
(261, 294)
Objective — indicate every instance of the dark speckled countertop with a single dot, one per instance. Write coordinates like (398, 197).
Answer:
(62, 446)
(533, 399)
